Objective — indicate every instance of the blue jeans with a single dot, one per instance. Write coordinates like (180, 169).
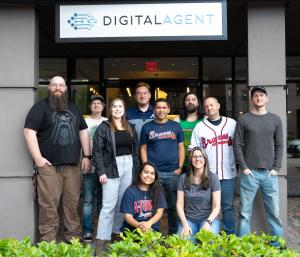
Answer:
(270, 193)
(110, 218)
(228, 187)
(169, 181)
(215, 228)
(90, 185)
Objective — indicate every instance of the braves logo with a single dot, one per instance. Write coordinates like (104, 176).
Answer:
(162, 135)
(219, 140)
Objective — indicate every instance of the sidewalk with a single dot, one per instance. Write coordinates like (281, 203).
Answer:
(293, 230)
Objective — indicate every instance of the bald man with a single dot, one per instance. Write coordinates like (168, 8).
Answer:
(215, 134)
(54, 133)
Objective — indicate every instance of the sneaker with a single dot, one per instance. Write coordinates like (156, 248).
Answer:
(87, 238)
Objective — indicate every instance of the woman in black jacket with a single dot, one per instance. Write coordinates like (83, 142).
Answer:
(116, 160)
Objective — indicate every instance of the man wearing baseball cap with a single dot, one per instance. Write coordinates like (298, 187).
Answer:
(90, 178)
(258, 147)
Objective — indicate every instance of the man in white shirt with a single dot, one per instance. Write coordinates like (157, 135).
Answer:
(90, 178)
(215, 134)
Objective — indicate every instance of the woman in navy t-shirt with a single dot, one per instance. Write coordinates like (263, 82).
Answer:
(143, 203)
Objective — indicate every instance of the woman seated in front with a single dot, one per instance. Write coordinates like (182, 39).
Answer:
(143, 203)
(198, 197)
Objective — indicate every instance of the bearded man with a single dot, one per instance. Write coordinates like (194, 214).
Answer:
(188, 119)
(54, 133)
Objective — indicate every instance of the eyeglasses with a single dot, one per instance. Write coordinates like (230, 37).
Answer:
(198, 157)
(96, 103)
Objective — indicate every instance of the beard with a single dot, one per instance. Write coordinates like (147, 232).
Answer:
(58, 103)
(191, 108)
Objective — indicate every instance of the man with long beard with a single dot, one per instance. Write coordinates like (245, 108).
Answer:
(54, 132)
(190, 116)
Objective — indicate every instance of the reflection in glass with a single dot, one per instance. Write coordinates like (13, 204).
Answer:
(87, 69)
(242, 99)
(217, 68)
(49, 67)
(138, 68)
(223, 92)
(241, 70)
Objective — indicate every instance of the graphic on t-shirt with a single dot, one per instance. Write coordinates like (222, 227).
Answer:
(144, 208)
(63, 130)
(162, 135)
(222, 139)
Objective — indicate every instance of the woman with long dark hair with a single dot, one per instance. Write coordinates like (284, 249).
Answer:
(198, 197)
(143, 203)
(116, 160)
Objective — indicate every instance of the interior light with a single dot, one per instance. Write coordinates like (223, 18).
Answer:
(128, 91)
(91, 89)
(187, 89)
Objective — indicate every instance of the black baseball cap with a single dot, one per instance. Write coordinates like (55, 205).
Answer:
(97, 97)
(258, 88)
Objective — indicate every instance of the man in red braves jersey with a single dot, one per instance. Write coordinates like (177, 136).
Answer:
(215, 134)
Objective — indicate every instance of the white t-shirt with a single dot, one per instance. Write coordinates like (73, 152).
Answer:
(92, 126)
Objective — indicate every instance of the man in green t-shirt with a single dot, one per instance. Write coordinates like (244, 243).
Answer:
(189, 117)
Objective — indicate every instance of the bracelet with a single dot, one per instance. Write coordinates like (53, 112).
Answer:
(87, 156)
(209, 222)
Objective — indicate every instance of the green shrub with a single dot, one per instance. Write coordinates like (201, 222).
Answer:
(153, 244)
(23, 248)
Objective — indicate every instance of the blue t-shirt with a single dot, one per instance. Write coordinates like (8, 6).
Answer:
(162, 141)
(138, 118)
(138, 203)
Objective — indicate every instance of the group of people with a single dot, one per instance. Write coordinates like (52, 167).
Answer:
(140, 163)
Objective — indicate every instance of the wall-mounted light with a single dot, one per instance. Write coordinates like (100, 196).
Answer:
(128, 91)
(187, 89)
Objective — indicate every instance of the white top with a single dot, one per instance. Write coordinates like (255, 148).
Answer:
(218, 144)
(92, 126)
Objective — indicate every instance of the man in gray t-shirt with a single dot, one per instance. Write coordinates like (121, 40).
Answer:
(258, 148)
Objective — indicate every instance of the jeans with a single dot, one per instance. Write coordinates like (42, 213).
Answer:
(215, 228)
(270, 193)
(110, 218)
(228, 187)
(169, 181)
(90, 185)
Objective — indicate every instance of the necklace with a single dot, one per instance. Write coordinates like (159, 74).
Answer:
(197, 180)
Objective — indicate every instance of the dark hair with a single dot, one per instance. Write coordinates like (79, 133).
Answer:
(184, 113)
(161, 100)
(205, 178)
(155, 189)
(124, 121)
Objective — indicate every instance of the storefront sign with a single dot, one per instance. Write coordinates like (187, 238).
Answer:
(142, 22)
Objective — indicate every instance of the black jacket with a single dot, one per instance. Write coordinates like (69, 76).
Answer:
(104, 152)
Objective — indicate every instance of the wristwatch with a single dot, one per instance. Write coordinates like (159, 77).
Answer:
(209, 221)
(87, 156)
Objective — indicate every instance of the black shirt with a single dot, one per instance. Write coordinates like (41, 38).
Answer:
(123, 143)
(57, 132)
